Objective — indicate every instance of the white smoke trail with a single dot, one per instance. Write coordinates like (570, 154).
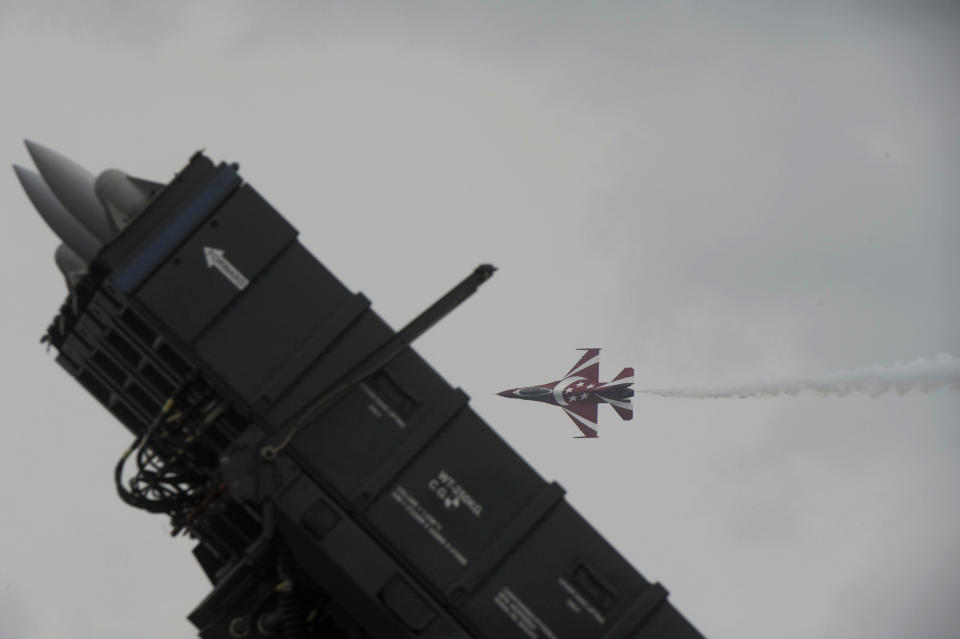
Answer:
(922, 374)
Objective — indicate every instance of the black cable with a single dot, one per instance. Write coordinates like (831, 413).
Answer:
(167, 476)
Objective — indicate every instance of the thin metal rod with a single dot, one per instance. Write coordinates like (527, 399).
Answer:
(390, 349)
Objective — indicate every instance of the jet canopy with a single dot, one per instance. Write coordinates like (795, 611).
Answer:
(533, 391)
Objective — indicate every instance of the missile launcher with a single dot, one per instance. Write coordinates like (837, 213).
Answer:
(336, 485)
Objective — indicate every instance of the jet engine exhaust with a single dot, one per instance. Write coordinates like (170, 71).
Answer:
(943, 371)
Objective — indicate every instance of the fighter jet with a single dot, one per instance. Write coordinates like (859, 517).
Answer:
(580, 391)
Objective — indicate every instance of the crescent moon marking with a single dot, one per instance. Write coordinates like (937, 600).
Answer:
(562, 386)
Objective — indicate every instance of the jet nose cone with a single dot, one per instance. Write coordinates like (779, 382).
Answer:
(73, 185)
(507, 393)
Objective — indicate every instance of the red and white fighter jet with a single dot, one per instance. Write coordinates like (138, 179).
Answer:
(580, 392)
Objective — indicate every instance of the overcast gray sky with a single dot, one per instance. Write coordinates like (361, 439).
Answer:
(712, 194)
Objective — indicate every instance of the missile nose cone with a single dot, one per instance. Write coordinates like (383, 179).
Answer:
(73, 185)
(68, 261)
(57, 217)
(70, 264)
(121, 197)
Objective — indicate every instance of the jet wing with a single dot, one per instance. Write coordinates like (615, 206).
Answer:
(585, 417)
(587, 367)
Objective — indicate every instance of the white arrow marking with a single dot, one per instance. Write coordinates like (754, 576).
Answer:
(215, 258)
